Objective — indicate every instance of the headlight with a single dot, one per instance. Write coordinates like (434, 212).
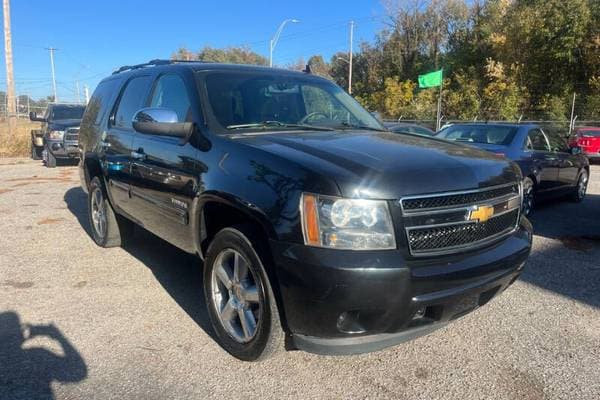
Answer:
(351, 224)
(56, 135)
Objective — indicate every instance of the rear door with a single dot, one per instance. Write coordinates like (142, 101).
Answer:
(544, 160)
(165, 171)
(117, 140)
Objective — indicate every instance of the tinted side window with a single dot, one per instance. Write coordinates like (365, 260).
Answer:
(98, 104)
(170, 92)
(537, 141)
(132, 99)
(558, 142)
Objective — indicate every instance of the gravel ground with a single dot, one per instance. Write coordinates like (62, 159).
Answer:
(77, 321)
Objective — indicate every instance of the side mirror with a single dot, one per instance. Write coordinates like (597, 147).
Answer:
(575, 150)
(161, 122)
(33, 117)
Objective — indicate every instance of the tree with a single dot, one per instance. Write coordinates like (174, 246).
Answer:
(234, 55)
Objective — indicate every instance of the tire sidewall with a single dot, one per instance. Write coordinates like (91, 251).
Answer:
(231, 238)
(577, 197)
(95, 184)
(528, 184)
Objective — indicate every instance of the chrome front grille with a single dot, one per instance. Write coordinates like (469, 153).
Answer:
(449, 200)
(451, 222)
(72, 134)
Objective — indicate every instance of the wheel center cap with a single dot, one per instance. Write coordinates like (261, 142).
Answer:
(238, 292)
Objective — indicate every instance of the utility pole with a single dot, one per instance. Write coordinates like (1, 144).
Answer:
(28, 105)
(52, 50)
(86, 91)
(350, 58)
(10, 81)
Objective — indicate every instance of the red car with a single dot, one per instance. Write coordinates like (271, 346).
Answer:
(588, 139)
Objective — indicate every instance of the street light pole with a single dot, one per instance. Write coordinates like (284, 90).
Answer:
(275, 38)
(52, 50)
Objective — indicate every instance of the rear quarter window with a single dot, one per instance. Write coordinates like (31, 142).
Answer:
(99, 103)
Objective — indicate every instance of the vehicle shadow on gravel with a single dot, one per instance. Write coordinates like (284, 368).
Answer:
(28, 369)
(179, 273)
(570, 265)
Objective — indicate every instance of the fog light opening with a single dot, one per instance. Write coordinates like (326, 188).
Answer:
(420, 313)
(348, 322)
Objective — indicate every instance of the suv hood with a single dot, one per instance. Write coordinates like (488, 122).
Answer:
(387, 165)
(60, 124)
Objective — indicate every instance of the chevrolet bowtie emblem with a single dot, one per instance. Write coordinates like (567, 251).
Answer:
(481, 213)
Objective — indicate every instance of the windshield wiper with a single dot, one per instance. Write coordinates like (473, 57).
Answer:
(346, 125)
(267, 124)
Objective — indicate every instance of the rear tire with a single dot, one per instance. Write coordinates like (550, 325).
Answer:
(108, 228)
(581, 189)
(241, 305)
(35, 153)
(528, 196)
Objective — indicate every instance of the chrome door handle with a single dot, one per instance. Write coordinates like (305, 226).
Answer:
(136, 155)
(104, 144)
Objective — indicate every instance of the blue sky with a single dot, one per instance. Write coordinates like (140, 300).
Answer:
(95, 37)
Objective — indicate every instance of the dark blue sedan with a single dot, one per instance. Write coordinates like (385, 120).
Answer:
(549, 166)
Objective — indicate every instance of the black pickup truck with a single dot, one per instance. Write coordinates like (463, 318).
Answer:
(59, 135)
(316, 226)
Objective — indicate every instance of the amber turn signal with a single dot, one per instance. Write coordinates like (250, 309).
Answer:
(311, 219)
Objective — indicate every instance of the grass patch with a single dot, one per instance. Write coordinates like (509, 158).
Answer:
(19, 145)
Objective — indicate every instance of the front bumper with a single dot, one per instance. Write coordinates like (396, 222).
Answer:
(345, 302)
(591, 154)
(62, 149)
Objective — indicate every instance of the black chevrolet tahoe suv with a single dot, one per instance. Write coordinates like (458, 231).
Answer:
(59, 135)
(317, 228)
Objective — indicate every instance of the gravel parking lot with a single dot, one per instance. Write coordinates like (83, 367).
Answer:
(77, 321)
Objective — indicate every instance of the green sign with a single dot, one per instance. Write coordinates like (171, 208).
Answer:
(432, 79)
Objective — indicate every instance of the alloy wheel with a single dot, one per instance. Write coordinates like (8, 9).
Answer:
(235, 295)
(98, 213)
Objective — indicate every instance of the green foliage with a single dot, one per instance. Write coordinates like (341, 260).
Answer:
(502, 59)
(233, 55)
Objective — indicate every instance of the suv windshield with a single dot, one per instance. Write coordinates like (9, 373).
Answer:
(486, 134)
(258, 101)
(67, 112)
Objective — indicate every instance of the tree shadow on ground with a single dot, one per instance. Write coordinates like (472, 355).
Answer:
(26, 372)
(178, 272)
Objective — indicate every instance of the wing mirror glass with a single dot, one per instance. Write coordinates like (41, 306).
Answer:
(161, 122)
(34, 117)
(575, 150)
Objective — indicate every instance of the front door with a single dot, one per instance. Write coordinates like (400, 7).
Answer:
(165, 171)
(568, 164)
(117, 140)
(544, 160)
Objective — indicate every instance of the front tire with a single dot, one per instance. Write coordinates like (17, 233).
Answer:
(50, 159)
(108, 228)
(240, 301)
(581, 189)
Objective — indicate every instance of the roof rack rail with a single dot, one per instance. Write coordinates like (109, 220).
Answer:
(153, 63)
